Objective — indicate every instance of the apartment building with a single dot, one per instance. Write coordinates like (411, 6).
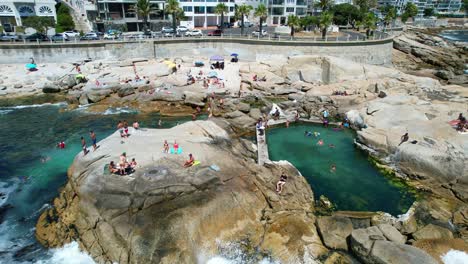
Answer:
(279, 10)
(12, 12)
(440, 6)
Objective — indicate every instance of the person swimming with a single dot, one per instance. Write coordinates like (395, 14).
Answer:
(307, 133)
(316, 134)
(333, 168)
(320, 142)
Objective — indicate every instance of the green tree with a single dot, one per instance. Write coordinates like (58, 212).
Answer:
(464, 7)
(64, 19)
(293, 22)
(346, 14)
(221, 9)
(39, 23)
(324, 5)
(390, 14)
(262, 13)
(243, 10)
(369, 23)
(411, 10)
(308, 21)
(428, 12)
(172, 7)
(325, 20)
(144, 8)
(365, 5)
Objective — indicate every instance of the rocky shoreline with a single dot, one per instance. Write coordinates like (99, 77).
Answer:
(238, 204)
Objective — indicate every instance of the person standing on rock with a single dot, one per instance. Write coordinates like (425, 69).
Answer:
(93, 139)
(166, 147)
(404, 138)
(83, 145)
(123, 163)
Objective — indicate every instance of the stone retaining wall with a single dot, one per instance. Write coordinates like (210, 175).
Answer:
(377, 52)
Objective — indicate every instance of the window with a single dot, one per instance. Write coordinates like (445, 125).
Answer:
(300, 11)
(231, 9)
(290, 1)
(289, 9)
(212, 1)
(199, 10)
(210, 9)
(277, 11)
(188, 9)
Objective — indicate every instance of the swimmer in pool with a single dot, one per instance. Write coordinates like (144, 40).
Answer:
(331, 146)
(316, 134)
(320, 142)
(333, 168)
(307, 133)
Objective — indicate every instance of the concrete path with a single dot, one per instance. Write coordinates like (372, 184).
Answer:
(262, 149)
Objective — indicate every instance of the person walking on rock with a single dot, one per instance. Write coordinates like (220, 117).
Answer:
(93, 139)
(404, 138)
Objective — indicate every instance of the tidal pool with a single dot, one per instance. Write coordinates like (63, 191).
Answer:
(355, 185)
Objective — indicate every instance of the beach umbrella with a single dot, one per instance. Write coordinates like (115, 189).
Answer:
(212, 74)
(234, 54)
(217, 58)
(31, 66)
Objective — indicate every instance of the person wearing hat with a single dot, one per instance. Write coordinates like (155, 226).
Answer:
(190, 161)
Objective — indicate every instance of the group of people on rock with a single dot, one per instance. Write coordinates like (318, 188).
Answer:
(344, 93)
(256, 79)
(217, 65)
(461, 124)
(122, 126)
(123, 167)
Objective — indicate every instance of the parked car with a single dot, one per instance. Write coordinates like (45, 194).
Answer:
(246, 24)
(194, 33)
(256, 33)
(72, 34)
(264, 25)
(6, 37)
(167, 30)
(182, 29)
(59, 37)
(90, 36)
(226, 25)
(217, 32)
(36, 37)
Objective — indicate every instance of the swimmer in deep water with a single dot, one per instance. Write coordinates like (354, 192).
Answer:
(307, 133)
(320, 142)
(316, 134)
(331, 145)
(333, 168)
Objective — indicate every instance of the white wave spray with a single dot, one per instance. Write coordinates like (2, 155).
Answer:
(455, 257)
(70, 254)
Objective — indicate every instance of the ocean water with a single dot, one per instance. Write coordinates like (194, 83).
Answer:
(355, 184)
(455, 35)
(32, 169)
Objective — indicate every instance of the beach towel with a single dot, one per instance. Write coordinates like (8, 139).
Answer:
(179, 150)
(195, 163)
(215, 167)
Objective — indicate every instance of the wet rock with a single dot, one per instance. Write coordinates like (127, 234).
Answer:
(72, 99)
(98, 96)
(392, 234)
(50, 88)
(355, 118)
(3, 211)
(432, 232)
(334, 230)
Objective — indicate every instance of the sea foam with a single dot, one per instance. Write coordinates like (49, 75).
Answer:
(455, 257)
(70, 254)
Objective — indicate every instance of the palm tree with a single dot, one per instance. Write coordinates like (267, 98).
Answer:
(243, 10)
(293, 21)
(369, 23)
(262, 12)
(144, 8)
(221, 9)
(324, 5)
(172, 7)
(325, 20)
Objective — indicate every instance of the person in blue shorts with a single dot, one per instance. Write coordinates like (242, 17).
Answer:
(93, 139)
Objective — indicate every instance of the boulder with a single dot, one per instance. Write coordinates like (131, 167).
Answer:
(243, 107)
(83, 99)
(334, 231)
(194, 98)
(68, 81)
(255, 113)
(125, 90)
(166, 96)
(339, 258)
(362, 240)
(387, 252)
(311, 74)
(97, 96)
(392, 234)
(432, 231)
(355, 118)
(50, 88)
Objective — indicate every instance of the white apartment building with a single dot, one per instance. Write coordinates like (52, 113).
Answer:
(13, 11)
(279, 10)
(202, 12)
(440, 6)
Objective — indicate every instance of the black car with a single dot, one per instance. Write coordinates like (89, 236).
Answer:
(226, 25)
(36, 37)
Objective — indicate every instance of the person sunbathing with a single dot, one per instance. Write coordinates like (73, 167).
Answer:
(190, 161)
(281, 182)
(112, 168)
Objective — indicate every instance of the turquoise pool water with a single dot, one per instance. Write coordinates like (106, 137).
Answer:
(29, 137)
(355, 184)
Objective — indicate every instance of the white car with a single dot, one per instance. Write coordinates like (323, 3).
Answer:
(182, 29)
(72, 34)
(194, 33)
(256, 33)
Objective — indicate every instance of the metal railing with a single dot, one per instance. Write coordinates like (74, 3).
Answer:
(268, 38)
